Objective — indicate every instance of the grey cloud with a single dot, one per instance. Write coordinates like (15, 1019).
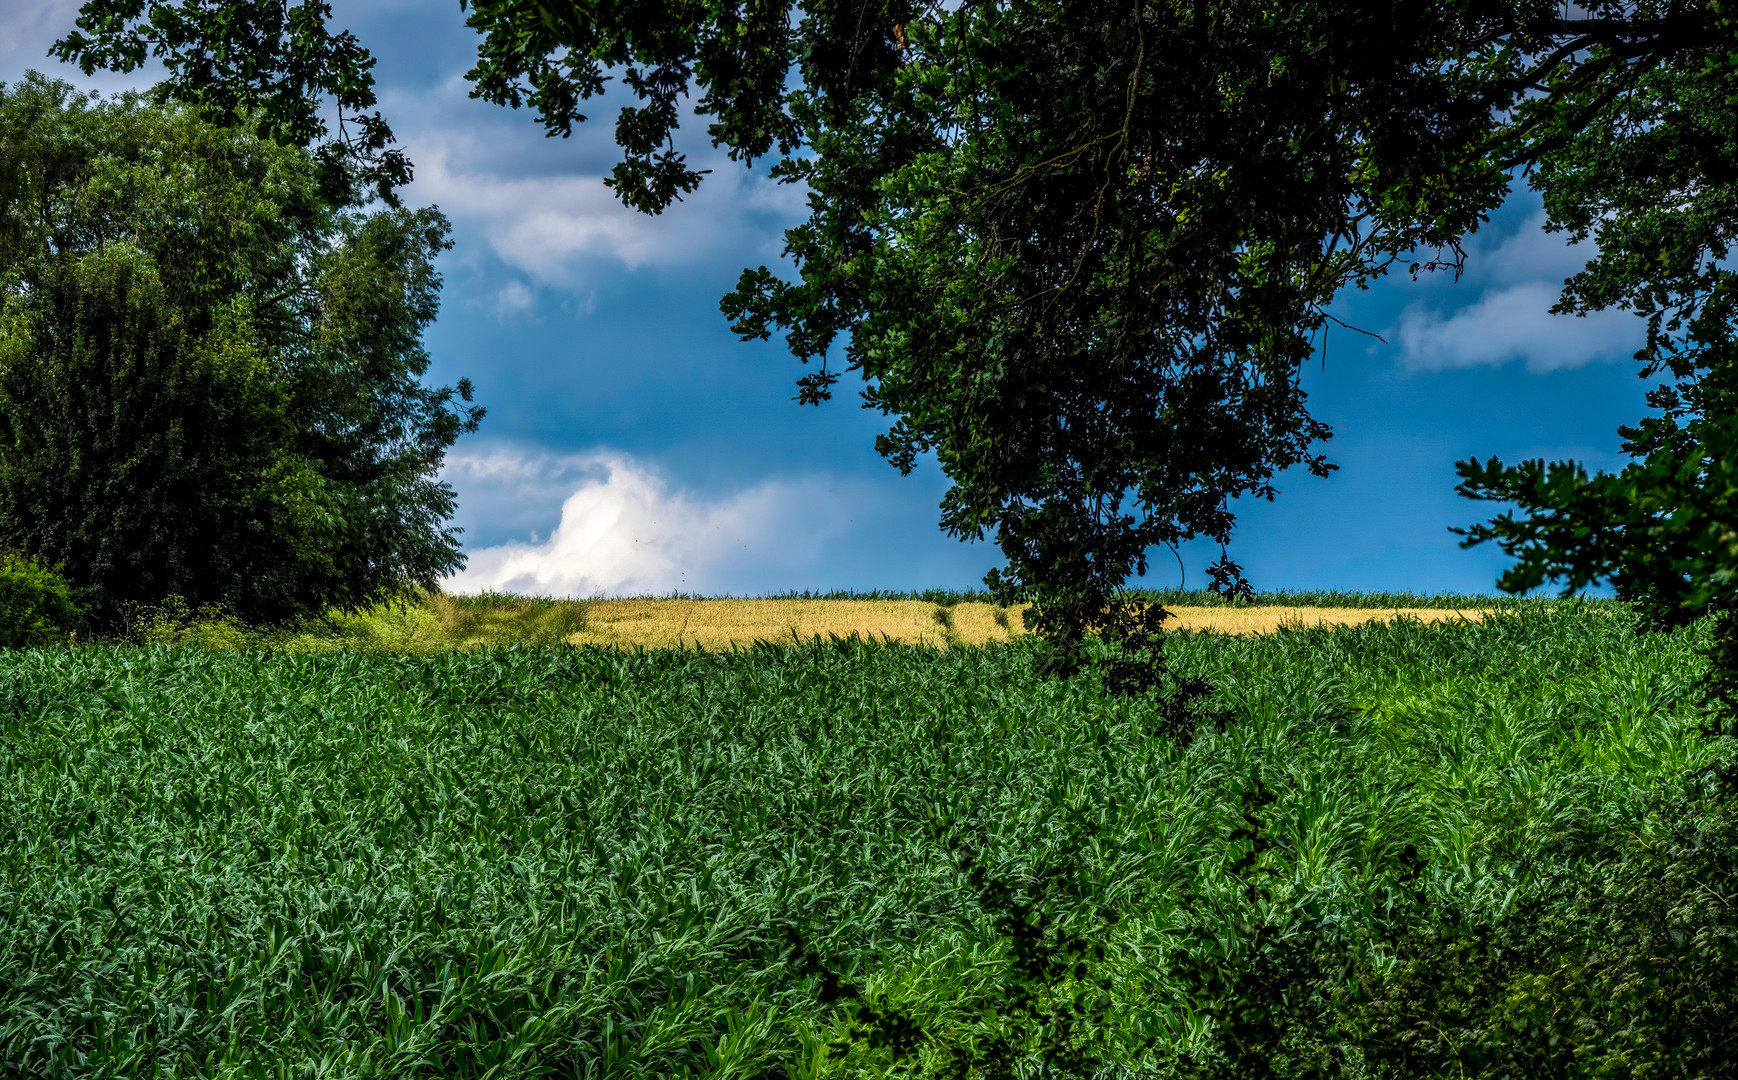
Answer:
(510, 491)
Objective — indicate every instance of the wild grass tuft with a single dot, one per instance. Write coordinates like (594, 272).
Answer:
(418, 622)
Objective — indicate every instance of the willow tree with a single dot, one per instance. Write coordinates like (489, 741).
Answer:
(210, 376)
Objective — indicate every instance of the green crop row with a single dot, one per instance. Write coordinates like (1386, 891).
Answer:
(842, 859)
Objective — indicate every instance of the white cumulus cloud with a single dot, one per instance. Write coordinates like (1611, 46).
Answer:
(1505, 315)
(513, 300)
(1530, 254)
(624, 529)
(1514, 324)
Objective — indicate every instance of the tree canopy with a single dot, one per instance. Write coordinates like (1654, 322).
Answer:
(1079, 251)
(271, 64)
(209, 376)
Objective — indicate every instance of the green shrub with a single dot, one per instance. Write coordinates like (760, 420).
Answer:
(36, 606)
(174, 622)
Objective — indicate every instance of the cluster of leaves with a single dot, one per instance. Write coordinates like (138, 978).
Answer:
(36, 605)
(268, 65)
(1225, 579)
(511, 862)
(210, 378)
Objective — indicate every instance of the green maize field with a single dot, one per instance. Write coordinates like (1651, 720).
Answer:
(518, 861)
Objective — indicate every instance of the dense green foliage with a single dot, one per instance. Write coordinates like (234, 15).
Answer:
(209, 379)
(1463, 850)
(36, 606)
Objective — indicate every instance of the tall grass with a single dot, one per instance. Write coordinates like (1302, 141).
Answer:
(417, 622)
(533, 861)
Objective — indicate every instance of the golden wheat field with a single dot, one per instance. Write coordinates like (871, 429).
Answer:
(719, 624)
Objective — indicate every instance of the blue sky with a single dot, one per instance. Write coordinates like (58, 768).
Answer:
(634, 445)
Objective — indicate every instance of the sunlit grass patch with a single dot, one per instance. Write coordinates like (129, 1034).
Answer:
(723, 623)
(416, 623)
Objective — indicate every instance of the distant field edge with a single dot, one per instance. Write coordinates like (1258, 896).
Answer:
(1168, 597)
(719, 623)
(426, 622)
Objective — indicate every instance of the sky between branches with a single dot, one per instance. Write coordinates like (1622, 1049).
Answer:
(633, 445)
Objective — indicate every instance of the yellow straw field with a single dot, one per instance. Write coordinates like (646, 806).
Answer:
(719, 624)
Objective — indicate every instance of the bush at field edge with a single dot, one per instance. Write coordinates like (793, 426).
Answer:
(36, 605)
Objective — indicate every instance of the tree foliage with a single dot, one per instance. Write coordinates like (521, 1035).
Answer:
(271, 65)
(36, 605)
(1082, 283)
(1653, 178)
(209, 378)
(1079, 251)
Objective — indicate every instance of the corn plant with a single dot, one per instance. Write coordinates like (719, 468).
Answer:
(526, 861)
